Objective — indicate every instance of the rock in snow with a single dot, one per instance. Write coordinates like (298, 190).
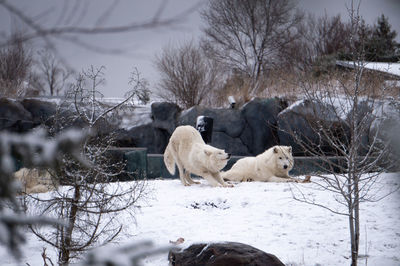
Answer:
(222, 254)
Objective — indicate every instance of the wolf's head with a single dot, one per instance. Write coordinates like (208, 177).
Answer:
(215, 157)
(283, 158)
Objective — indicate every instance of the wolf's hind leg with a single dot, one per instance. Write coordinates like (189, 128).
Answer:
(182, 174)
(189, 179)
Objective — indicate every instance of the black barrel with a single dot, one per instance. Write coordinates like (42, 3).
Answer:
(204, 125)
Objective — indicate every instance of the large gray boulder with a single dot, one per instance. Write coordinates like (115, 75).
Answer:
(165, 116)
(362, 116)
(260, 117)
(222, 254)
(301, 123)
(14, 117)
(385, 131)
(153, 135)
(228, 125)
(41, 111)
(144, 136)
(230, 145)
(228, 121)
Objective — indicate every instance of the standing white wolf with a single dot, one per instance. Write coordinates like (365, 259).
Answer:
(273, 165)
(188, 151)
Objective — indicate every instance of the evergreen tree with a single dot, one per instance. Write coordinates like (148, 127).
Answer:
(382, 44)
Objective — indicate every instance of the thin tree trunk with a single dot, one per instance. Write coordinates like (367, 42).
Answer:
(351, 220)
(66, 245)
(356, 219)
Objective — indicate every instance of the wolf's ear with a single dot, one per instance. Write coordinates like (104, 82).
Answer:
(208, 153)
(275, 150)
(290, 149)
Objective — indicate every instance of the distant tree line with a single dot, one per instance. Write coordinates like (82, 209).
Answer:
(24, 72)
(249, 44)
(246, 44)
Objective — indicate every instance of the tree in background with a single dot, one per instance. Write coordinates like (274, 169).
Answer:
(249, 36)
(67, 28)
(140, 88)
(70, 23)
(15, 67)
(52, 74)
(382, 45)
(89, 202)
(349, 117)
(187, 75)
(319, 43)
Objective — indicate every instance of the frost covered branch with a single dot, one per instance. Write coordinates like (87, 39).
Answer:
(33, 149)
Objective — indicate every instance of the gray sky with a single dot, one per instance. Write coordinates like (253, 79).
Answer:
(141, 46)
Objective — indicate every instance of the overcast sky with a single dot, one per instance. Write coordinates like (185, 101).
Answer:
(140, 47)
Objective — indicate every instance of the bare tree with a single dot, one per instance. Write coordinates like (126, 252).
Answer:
(349, 138)
(52, 74)
(249, 36)
(15, 67)
(140, 87)
(319, 43)
(68, 23)
(33, 149)
(69, 28)
(89, 203)
(187, 76)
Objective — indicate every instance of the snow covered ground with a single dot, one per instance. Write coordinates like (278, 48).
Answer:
(263, 215)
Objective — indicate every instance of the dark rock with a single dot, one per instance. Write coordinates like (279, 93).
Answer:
(261, 124)
(222, 254)
(41, 111)
(363, 119)
(140, 136)
(230, 145)
(122, 138)
(14, 117)
(302, 119)
(385, 131)
(228, 125)
(189, 116)
(144, 136)
(228, 121)
(102, 126)
(165, 116)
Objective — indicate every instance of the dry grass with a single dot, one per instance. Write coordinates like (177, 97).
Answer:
(292, 86)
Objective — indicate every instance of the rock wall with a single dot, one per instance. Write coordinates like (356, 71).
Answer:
(247, 131)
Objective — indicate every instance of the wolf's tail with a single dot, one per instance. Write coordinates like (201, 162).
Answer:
(169, 159)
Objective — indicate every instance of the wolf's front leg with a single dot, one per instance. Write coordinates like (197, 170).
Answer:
(220, 181)
(189, 179)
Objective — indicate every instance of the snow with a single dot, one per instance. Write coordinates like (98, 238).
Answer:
(263, 215)
(390, 68)
(140, 115)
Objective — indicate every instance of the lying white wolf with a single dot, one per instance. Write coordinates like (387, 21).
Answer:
(273, 165)
(188, 151)
(35, 180)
